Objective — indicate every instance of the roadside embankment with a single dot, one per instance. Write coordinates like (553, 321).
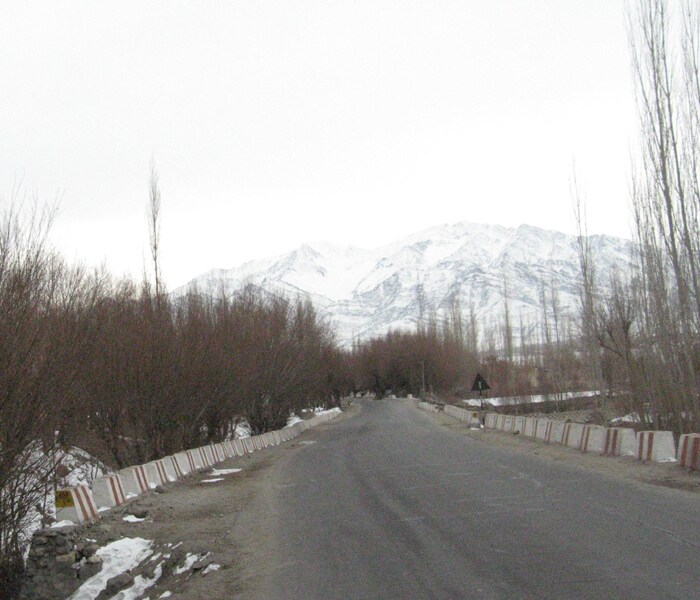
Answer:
(80, 553)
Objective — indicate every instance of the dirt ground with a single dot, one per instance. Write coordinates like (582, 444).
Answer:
(227, 523)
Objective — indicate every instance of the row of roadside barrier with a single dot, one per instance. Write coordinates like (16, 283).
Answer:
(84, 503)
(470, 417)
(654, 446)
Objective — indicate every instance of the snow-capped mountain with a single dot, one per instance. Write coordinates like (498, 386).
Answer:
(367, 292)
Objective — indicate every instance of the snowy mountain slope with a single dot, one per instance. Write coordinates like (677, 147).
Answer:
(367, 292)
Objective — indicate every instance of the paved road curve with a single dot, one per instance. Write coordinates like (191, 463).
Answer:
(388, 504)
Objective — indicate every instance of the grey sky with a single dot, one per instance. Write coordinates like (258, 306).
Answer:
(281, 121)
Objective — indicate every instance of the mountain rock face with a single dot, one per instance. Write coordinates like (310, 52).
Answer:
(365, 293)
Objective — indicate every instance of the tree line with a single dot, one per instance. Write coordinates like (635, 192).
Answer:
(128, 373)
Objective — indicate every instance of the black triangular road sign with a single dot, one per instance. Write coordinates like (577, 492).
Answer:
(480, 384)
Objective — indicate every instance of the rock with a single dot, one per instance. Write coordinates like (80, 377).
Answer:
(202, 564)
(89, 550)
(94, 560)
(38, 540)
(159, 489)
(88, 568)
(138, 512)
(118, 583)
(62, 542)
(68, 557)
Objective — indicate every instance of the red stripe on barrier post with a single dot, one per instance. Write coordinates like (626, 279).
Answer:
(141, 478)
(640, 452)
(584, 444)
(176, 466)
(191, 460)
(613, 450)
(117, 492)
(85, 506)
(651, 445)
(161, 471)
(695, 454)
(684, 451)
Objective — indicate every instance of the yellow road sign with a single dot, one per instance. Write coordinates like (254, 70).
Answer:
(64, 499)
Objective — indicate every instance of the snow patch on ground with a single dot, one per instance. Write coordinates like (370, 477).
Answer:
(242, 430)
(117, 557)
(630, 418)
(132, 519)
(211, 568)
(216, 479)
(64, 523)
(190, 560)
(536, 399)
(217, 472)
(141, 584)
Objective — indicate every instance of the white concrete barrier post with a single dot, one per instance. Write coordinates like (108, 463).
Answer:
(656, 446)
(593, 438)
(205, 456)
(156, 473)
(572, 435)
(184, 463)
(238, 447)
(76, 504)
(172, 468)
(689, 451)
(555, 432)
(541, 428)
(195, 459)
(619, 441)
(519, 425)
(134, 481)
(108, 491)
(530, 427)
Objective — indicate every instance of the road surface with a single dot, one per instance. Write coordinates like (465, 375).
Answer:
(390, 505)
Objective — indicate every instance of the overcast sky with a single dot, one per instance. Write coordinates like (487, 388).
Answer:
(275, 122)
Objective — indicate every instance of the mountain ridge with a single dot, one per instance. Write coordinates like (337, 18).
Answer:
(367, 292)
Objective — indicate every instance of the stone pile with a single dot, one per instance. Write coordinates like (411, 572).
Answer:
(59, 561)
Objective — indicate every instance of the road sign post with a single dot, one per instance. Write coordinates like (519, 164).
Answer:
(479, 385)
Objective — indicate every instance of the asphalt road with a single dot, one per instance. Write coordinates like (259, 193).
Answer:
(389, 504)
